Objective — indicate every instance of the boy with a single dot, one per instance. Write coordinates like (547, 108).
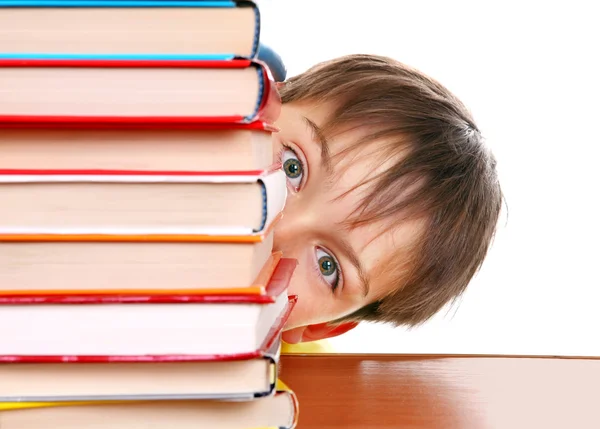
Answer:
(393, 198)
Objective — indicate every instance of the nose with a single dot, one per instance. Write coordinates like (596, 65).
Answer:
(293, 229)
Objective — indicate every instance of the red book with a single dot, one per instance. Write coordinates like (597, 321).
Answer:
(216, 346)
(97, 144)
(136, 91)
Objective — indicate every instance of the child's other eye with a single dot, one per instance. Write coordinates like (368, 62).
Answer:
(292, 167)
(328, 268)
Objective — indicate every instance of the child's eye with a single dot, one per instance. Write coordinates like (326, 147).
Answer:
(292, 167)
(328, 268)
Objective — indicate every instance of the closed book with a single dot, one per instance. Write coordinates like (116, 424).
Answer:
(128, 29)
(137, 91)
(196, 234)
(95, 327)
(27, 378)
(168, 377)
(131, 201)
(146, 147)
(279, 411)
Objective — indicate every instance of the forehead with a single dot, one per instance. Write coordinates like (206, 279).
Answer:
(349, 145)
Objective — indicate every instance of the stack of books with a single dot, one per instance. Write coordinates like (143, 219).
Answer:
(138, 283)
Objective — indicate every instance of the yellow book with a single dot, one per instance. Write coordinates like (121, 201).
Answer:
(278, 411)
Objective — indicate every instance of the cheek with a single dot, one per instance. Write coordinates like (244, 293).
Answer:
(299, 283)
(315, 303)
(309, 306)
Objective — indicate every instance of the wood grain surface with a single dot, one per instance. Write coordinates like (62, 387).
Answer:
(445, 392)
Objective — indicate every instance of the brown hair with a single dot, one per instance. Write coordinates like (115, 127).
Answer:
(441, 172)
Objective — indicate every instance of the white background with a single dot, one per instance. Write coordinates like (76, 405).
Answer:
(529, 72)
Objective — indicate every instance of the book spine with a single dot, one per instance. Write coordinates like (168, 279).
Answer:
(280, 323)
(269, 102)
(257, 28)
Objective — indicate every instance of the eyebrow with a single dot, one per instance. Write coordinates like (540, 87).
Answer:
(350, 254)
(320, 138)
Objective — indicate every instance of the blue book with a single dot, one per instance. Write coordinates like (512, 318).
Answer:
(129, 29)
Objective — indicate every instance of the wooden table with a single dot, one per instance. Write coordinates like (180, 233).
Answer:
(444, 392)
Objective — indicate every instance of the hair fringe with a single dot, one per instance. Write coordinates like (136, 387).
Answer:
(442, 173)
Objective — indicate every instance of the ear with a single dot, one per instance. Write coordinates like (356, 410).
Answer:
(279, 85)
(316, 332)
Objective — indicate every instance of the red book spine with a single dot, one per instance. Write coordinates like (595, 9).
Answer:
(270, 105)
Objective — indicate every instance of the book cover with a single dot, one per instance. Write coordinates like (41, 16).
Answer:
(77, 372)
(191, 91)
(279, 411)
(276, 292)
(271, 182)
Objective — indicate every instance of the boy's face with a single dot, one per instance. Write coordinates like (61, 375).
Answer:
(338, 266)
